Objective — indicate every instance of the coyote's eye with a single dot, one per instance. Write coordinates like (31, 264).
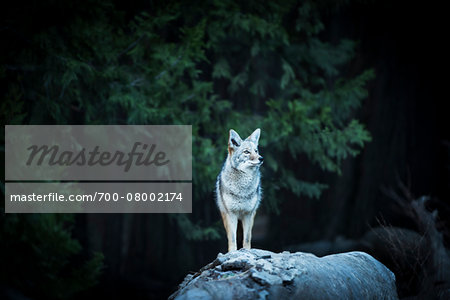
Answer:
(246, 152)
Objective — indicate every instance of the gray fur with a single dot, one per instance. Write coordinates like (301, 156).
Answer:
(238, 186)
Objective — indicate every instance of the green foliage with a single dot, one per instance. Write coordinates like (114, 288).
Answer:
(40, 254)
(194, 232)
(216, 65)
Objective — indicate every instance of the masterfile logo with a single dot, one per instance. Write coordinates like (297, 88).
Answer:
(98, 169)
(93, 157)
(98, 152)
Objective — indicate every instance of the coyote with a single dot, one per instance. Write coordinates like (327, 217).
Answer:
(238, 186)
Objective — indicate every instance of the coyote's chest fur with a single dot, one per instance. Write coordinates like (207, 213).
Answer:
(240, 192)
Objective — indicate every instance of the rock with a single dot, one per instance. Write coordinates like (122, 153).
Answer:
(261, 274)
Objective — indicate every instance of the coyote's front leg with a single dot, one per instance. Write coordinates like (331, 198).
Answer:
(247, 225)
(230, 223)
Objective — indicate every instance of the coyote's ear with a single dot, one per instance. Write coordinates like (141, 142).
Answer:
(234, 141)
(254, 137)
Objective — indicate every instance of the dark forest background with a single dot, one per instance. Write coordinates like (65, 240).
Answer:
(348, 95)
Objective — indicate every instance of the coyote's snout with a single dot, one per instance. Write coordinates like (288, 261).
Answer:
(238, 186)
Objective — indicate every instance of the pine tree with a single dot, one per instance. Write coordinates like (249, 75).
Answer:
(215, 65)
